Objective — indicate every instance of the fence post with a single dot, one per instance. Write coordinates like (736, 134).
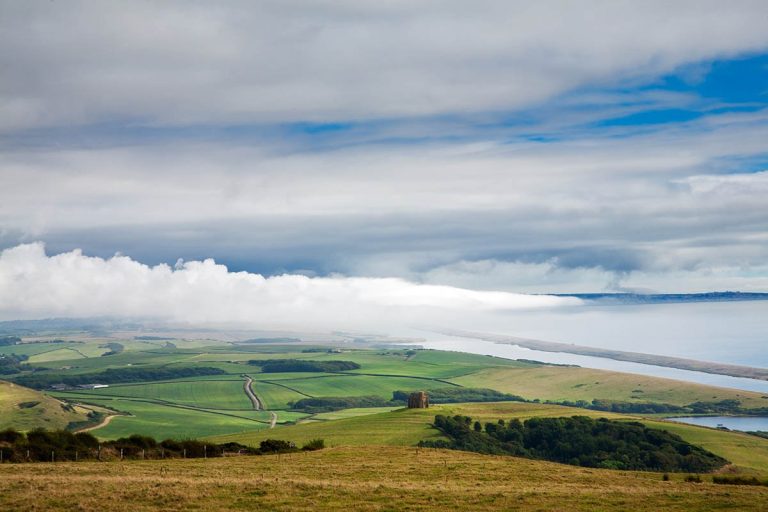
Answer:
(121, 454)
(98, 454)
(1, 456)
(205, 451)
(185, 453)
(142, 454)
(53, 456)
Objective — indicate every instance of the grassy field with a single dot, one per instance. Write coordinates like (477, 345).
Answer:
(405, 427)
(564, 383)
(357, 478)
(275, 396)
(206, 394)
(169, 421)
(358, 385)
(25, 409)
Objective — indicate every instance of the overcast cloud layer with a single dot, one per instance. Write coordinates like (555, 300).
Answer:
(532, 147)
(242, 61)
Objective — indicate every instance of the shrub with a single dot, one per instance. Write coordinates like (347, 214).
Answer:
(314, 444)
(276, 446)
(738, 480)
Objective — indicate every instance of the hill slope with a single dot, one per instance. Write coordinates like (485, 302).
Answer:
(24, 409)
(408, 426)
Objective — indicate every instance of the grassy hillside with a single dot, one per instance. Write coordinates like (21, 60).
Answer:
(405, 427)
(566, 383)
(357, 478)
(25, 409)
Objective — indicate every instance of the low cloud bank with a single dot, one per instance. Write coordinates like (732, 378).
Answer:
(71, 284)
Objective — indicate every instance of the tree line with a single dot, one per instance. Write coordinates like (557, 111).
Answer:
(42, 445)
(302, 365)
(38, 380)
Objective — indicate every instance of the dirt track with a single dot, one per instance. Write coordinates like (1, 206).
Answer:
(255, 402)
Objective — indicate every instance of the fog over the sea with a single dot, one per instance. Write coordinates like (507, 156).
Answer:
(35, 285)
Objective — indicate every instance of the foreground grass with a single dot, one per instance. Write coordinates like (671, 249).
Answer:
(360, 478)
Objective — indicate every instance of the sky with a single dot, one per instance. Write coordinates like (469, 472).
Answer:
(419, 150)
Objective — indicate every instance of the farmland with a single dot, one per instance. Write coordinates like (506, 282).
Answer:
(216, 405)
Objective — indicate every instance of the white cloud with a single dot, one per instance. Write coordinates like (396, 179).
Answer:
(35, 285)
(242, 62)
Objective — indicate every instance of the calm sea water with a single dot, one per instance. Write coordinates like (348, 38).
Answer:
(732, 332)
(729, 332)
(743, 423)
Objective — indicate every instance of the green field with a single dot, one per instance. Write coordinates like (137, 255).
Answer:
(568, 383)
(170, 421)
(358, 385)
(205, 394)
(275, 396)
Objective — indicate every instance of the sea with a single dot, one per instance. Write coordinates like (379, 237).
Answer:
(728, 332)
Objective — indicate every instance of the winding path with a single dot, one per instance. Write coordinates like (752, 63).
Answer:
(103, 423)
(255, 402)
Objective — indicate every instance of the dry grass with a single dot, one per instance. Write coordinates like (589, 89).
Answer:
(558, 383)
(356, 478)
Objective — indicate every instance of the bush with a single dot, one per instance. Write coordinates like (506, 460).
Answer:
(10, 435)
(276, 446)
(314, 444)
(738, 480)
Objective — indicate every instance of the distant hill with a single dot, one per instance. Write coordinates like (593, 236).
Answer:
(24, 409)
(658, 298)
